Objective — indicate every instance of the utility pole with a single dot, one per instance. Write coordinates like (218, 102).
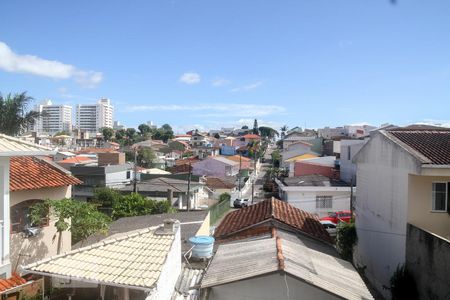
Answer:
(351, 197)
(135, 172)
(254, 175)
(239, 175)
(188, 202)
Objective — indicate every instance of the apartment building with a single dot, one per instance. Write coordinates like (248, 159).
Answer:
(92, 117)
(55, 118)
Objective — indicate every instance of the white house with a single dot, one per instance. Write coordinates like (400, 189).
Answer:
(348, 149)
(402, 177)
(315, 194)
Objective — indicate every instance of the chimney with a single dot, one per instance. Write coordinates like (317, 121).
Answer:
(169, 226)
(170, 196)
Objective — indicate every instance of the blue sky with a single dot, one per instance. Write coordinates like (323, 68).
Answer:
(223, 63)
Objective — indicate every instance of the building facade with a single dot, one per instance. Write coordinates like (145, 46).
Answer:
(55, 118)
(95, 116)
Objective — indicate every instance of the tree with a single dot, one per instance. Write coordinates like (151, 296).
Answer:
(64, 132)
(82, 219)
(107, 133)
(255, 127)
(130, 133)
(120, 134)
(217, 136)
(245, 127)
(283, 129)
(144, 130)
(145, 157)
(14, 117)
(268, 132)
(165, 133)
(224, 197)
(346, 238)
(276, 158)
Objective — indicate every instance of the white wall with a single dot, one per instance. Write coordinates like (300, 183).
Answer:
(381, 208)
(5, 265)
(269, 287)
(307, 201)
(27, 250)
(170, 271)
(347, 167)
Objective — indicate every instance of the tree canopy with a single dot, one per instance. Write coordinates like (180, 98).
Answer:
(255, 127)
(268, 132)
(107, 133)
(14, 115)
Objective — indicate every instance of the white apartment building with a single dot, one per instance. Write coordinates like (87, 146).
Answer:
(55, 118)
(92, 117)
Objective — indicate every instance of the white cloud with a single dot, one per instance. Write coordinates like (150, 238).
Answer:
(30, 64)
(220, 82)
(441, 123)
(248, 87)
(190, 78)
(216, 110)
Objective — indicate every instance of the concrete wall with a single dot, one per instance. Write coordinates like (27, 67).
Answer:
(212, 167)
(27, 250)
(347, 167)
(269, 287)
(428, 259)
(170, 272)
(381, 208)
(306, 200)
(308, 168)
(420, 211)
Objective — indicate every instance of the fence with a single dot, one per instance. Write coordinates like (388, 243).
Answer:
(217, 210)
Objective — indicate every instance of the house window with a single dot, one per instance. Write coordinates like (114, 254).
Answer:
(128, 174)
(20, 216)
(324, 201)
(440, 196)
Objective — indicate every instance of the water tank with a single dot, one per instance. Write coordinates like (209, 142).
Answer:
(203, 246)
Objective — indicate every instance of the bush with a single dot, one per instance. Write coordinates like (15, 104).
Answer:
(162, 207)
(131, 205)
(346, 239)
(224, 197)
(403, 285)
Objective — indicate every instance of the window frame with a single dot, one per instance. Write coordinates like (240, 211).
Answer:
(24, 221)
(324, 199)
(445, 210)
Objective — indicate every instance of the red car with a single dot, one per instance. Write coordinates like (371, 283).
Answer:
(335, 217)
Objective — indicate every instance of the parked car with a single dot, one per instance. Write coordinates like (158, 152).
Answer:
(338, 216)
(330, 227)
(238, 203)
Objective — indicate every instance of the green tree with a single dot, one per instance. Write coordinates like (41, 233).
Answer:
(120, 135)
(144, 130)
(276, 158)
(346, 238)
(268, 132)
(145, 157)
(82, 219)
(130, 133)
(255, 127)
(64, 132)
(14, 115)
(224, 197)
(283, 130)
(164, 133)
(131, 205)
(106, 197)
(107, 133)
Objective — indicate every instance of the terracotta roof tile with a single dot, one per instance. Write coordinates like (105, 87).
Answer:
(251, 136)
(14, 281)
(218, 183)
(255, 215)
(76, 160)
(29, 173)
(433, 144)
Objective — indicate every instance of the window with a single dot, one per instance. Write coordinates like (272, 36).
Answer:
(440, 196)
(128, 174)
(20, 216)
(324, 201)
(349, 153)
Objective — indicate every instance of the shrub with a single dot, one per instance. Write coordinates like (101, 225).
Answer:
(346, 239)
(402, 284)
(224, 197)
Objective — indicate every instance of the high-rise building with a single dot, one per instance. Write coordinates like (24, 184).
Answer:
(92, 117)
(55, 118)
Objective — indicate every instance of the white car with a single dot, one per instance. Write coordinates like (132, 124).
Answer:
(330, 227)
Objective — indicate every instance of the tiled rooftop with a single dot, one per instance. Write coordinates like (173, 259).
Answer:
(14, 281)
(29, 173)
(9, 145)
(132, 260)
(218, 183)
(432, 144)
(252, 216)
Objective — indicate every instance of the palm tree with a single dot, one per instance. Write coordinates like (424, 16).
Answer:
(14, 117)
(283, 130)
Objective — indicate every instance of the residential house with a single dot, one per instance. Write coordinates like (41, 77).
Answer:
(291, 161)
(76, 161)
(325, 165)
(183, 137)
(259, 220)
(61, 155)
(220, 185)
(110, 171)
(32, 180)
(198, 140)
(296, 149)
(112, 145)
(348, 150)
(11, 147)
(403, 177)
(135, 265)
(282, 265)
(184, 165)
(315, 194)
(216, 166)
(173, 190)
(203, 152)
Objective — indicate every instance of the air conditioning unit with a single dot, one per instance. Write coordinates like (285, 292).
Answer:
(31, 231)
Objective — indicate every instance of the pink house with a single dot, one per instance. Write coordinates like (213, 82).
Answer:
(216, 166)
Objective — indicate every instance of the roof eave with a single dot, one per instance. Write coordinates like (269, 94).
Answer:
(26, 153)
